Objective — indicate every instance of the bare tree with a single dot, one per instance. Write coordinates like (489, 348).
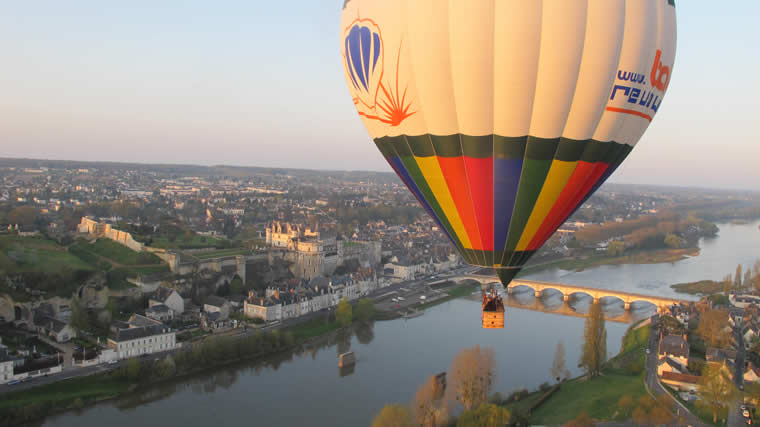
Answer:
(559, 371)
(472, 373)
(711, 325)
(738, 277)
(716, 390)
(727, 282)
(595, 341)
(429, 411)
(393, 416)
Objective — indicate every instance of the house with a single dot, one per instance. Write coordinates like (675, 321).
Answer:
(141, 335)
(213, 320)
(160, 312)
(720, 355)
(751, 373)
(60, 331)
(666, 364)
(215, 304)
(676, 348)
(681, 382)
(168, 297)
(6, 364)
(750, 334)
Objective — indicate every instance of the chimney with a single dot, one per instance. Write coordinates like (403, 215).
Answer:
(277, 293)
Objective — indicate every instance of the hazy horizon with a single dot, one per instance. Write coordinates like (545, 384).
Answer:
(258, 84)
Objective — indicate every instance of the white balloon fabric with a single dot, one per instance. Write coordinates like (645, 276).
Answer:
(503, 116)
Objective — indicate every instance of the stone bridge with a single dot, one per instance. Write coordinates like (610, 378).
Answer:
(568, 290)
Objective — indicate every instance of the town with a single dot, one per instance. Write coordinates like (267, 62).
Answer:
(104, 263)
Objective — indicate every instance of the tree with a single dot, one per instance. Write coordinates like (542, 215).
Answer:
(236, 286)
(727, 282)
(343, 313)
(79, 317)
(711, 326)
(165, 367)
(582, 420)
(133, 369)
(716, 390)
(365, 310)
(662, 412)
(640, 416)
(559, 371)
(625, 404)
(615, 248)
(23, 216)
(672, 241)
(428, 411)
(472, 373)
(747, 282)
(487, 415)
(594, 349)
(393, 416)
(738, 277)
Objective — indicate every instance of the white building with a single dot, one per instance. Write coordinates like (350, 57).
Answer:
(6, 368)
(215, 304)
(168, 297)
(142, 336)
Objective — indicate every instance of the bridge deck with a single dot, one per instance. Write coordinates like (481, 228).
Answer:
(568, 289)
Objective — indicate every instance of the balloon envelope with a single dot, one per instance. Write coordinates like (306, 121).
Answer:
(503, 116)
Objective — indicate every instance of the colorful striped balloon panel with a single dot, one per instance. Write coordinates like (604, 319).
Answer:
(498, 199)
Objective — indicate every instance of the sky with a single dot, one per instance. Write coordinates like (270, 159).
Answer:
(260, 83)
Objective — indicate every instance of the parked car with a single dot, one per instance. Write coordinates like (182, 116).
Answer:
(113, 362)
(13, 382)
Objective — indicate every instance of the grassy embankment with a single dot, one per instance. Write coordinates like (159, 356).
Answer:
(184, 241)
(702, 287)
(38, 255)
(587, 261)
(598, 397)
(221, 253)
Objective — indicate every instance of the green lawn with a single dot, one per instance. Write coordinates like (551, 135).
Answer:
(313, 328)
(64, 392)
(221, 253)
(118, 253)
(599, 396)
(36, 254)
(194, 241)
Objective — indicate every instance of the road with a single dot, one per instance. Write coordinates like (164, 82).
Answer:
(735, 418)
(654, 384)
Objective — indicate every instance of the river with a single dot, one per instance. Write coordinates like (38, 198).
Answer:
(395, 357)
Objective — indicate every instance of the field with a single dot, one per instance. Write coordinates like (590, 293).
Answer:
(37, 254)
(599, 396)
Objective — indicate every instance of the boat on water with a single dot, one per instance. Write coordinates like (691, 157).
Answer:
(412, 314)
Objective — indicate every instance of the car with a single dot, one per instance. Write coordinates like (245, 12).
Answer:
(113, 362)
(13, 382)
(745, 413)
(648, 351)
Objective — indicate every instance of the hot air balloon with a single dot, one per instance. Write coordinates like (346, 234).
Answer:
(503, 116)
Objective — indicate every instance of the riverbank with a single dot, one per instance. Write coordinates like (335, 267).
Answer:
(598, 397)
(588, 261)
(209, 354)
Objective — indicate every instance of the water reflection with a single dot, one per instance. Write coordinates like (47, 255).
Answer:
(578, 305)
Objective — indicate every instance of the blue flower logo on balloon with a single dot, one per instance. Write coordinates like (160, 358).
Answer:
(363, 57)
